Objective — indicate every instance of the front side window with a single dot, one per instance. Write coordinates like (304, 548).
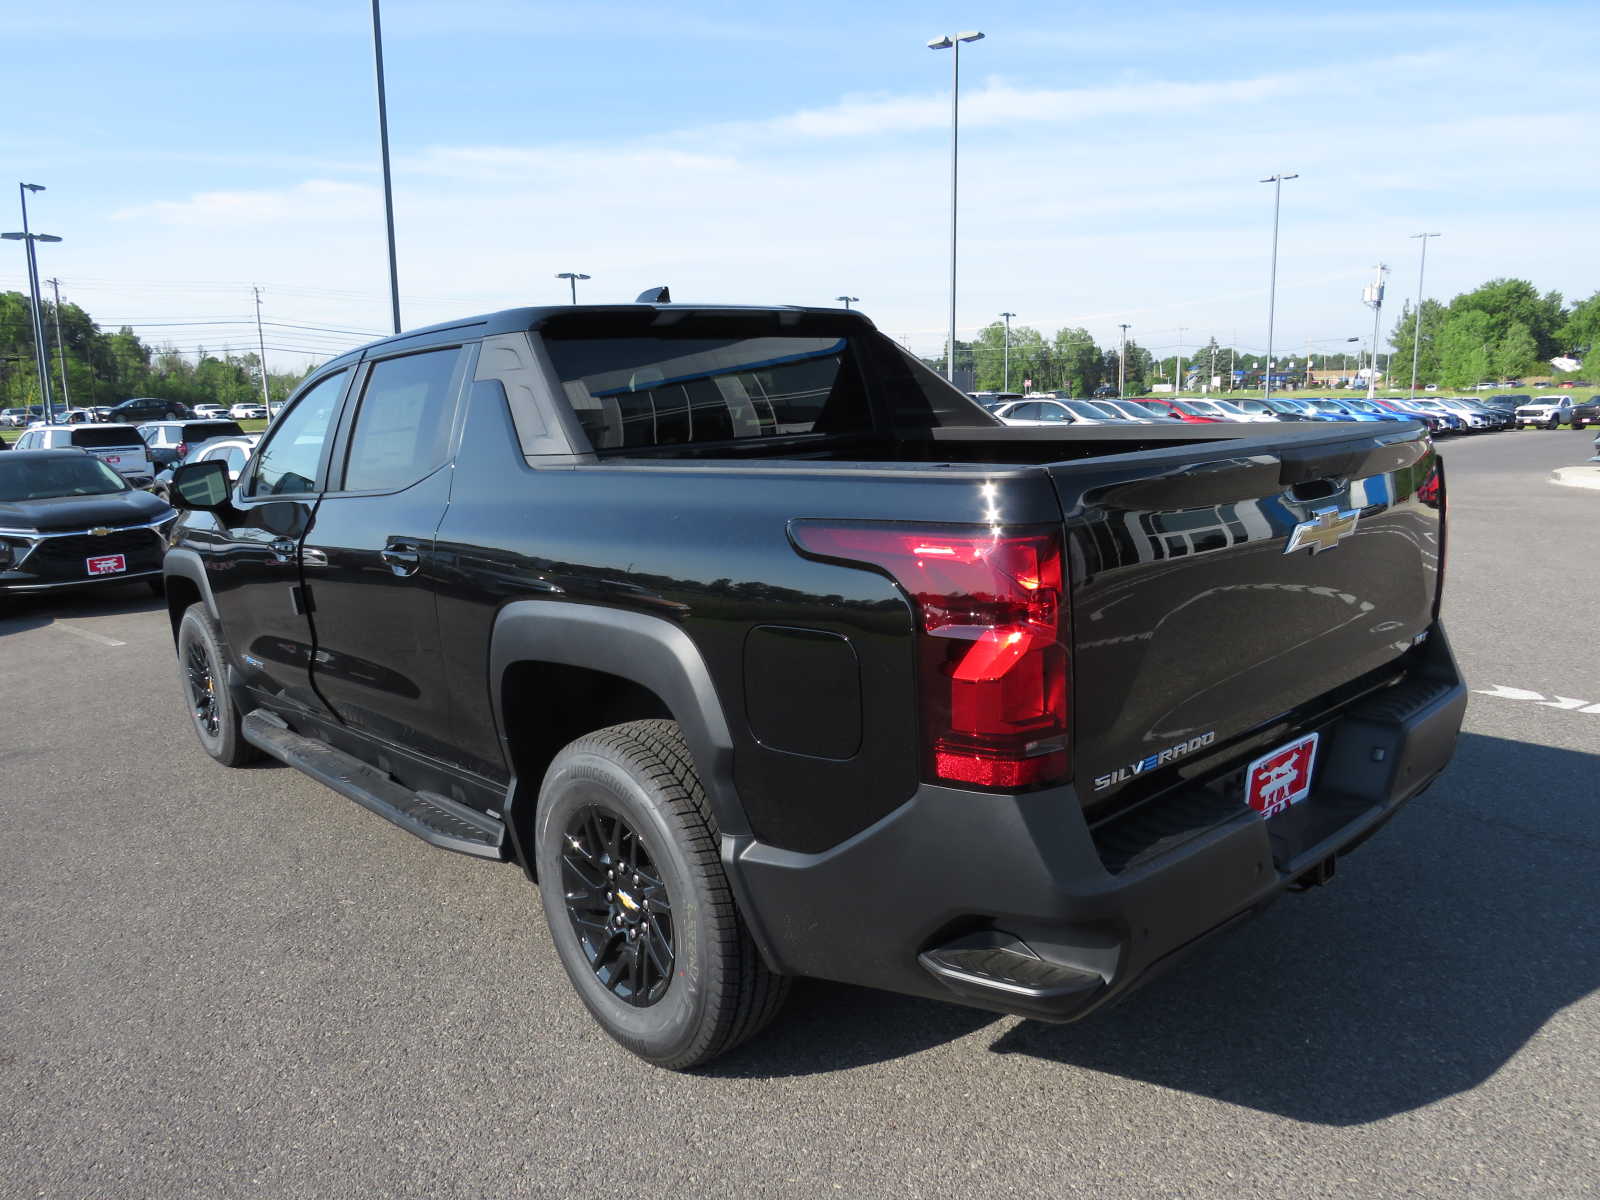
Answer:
(289, 458)
(402, 429)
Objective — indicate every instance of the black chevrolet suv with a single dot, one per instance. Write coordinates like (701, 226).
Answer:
(767, 653)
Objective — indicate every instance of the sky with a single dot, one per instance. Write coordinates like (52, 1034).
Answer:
(765, 153)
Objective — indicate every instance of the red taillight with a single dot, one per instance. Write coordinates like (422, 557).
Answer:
(183, 448)
(991, 633)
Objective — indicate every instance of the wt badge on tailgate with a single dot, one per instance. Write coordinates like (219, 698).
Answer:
(1277, 780)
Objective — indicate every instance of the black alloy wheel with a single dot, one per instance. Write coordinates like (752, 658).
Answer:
(200, 673)
(618, 905)
(626, 852)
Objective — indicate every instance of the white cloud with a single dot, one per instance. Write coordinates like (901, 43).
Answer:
(316, 201)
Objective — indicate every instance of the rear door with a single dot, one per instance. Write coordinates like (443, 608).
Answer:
(368, 556)
(1192, 616)
(118, 446)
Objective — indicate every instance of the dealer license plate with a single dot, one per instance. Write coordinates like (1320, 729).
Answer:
(1282, 778)
(106, 564)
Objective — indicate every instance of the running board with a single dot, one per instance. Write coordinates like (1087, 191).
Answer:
(437, 820)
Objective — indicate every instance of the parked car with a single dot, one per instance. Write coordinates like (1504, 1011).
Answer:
(1168, 410)
(209, 410)
(118, 446)
(1474, 420)
(168, 441)
(993, 400)
(1435, 421)
(148, 408)
(18, 418)
(235, 451)
(1106, 392)
(1458, 423)
(1550, 411)
(669, 606)
(68, 520)
(1129, 411)
(1222, 410)
(248, 412)
(1585, 412)
(1048, 412)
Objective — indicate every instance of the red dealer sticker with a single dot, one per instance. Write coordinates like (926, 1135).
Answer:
(1277, 780)
(106, 564)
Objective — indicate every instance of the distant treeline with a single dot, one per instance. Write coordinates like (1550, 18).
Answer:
(105, 368)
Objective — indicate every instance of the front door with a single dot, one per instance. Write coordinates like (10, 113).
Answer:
(368, 555)
(252, 561)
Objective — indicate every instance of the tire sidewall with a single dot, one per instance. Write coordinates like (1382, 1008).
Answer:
(667, 1029)
(194, 628)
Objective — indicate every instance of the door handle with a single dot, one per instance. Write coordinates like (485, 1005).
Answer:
(283, 549)
(401, 556)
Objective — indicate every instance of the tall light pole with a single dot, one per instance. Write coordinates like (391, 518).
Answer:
(1272, 289)
(1122, 361)
(848, 301)
(388, 184)
(1177, 366)
(953, 42)
(572, 278)
(61, 347)
(1372, 296)
(1416, 324)
(27, 237)
(1005, 386)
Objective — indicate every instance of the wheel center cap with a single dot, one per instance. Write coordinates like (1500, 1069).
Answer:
(628, 903)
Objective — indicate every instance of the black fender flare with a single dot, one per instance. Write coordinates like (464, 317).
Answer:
(186, 564)
(652, 652)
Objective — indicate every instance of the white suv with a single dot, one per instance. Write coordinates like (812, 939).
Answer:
(1549, 411)
(118, 446)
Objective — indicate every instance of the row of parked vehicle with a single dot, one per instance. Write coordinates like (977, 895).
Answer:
(140, 408)
(1442, 414)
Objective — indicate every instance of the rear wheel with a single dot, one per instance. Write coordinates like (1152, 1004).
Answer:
(201, 674)
(638, 905)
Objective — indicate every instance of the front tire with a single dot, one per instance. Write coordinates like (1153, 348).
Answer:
(202, 674)
(638, 905)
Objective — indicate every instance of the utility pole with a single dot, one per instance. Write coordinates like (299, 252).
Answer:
(61, 347)
(1416, 325)
(261, 345)
(1177, 366)
(1372, 296)
(1122, 362)
(1005, 386)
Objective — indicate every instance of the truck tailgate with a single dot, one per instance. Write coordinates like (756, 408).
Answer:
(1193, 619)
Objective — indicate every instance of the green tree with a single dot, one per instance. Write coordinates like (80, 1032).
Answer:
(1516, 353)
(1580, 332)
(1464, 348)
(1079, 365)
(1508, 301)
(1433, 319)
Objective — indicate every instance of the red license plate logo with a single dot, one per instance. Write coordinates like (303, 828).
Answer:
(107, 564)
(1277, 780)
(113, 458)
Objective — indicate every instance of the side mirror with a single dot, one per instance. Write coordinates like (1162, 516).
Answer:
(200, 485)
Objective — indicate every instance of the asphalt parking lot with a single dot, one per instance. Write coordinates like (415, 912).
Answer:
(235, 983)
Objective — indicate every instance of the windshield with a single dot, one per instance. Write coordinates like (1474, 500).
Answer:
(1085, 408)
(1155, 410)
(1365, 406)
(1227, 406)
(45, 478)
(1191, 408)
(1326, 406)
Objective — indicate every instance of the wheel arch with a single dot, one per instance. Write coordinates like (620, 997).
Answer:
(186, 583)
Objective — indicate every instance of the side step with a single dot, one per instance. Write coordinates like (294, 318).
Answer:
(435, 819)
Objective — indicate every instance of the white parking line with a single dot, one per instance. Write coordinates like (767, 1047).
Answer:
(90, 635)
(1501, 692)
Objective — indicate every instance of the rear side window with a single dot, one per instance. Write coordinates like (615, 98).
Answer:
(90, 437)
(639, 392)
(201, 431)
(402, 430)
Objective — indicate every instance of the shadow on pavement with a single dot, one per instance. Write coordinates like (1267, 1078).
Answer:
(1445, 943)
(21, 611)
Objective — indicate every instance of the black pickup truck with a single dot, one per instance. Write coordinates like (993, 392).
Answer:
(767, 653)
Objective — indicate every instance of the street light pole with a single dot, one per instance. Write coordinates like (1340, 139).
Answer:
(1122, 361)
(40, 362)
(848, 301)
(1272, 290)
(388, 184)
(1177, 366)
(572, 278)
(952, 42)
(1373, 296)
(1005, 386)
(1416, 324)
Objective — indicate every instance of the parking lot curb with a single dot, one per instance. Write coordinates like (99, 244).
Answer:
(1578, 477)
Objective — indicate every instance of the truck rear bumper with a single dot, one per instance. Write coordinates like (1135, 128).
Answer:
(1013, 903)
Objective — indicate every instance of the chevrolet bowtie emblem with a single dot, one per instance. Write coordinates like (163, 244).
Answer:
(99, 531)
(1326, 529)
